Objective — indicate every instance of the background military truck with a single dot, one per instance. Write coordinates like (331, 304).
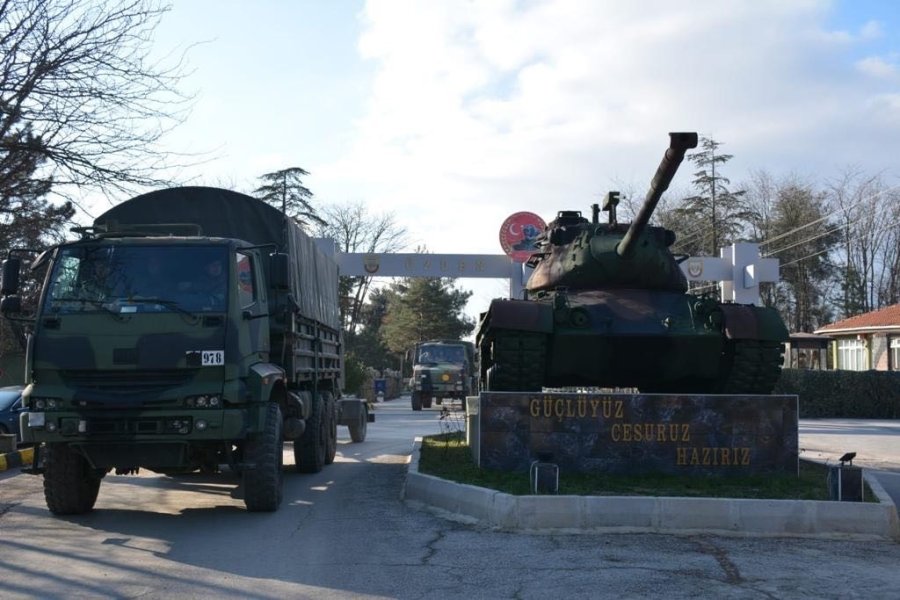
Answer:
(442, 369)
(188, 328)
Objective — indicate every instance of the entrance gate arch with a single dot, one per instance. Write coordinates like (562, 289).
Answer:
(740, 268)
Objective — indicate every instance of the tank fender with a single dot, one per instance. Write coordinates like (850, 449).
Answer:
(745, 321)
(520, 315)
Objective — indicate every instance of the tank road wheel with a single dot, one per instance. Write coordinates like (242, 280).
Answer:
(750, 367)
(358, 429)
(310, 449)
(416, 401)
(331, 427)
(263, 476)
(70, 484)
(426, 402)
(519, 362)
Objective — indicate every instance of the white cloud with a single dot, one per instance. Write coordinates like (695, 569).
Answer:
(878, 67)
(480, 109)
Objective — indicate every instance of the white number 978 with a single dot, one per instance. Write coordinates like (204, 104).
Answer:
(210, 358)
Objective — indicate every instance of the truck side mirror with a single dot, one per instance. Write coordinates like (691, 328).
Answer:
(278, 271)
(10, 282)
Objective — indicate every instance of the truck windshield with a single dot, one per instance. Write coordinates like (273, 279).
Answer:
(442, 353)
(136, 279)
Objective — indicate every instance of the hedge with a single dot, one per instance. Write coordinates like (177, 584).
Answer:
(843, 394)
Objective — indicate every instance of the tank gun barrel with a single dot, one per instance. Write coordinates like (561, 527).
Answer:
(679, 143)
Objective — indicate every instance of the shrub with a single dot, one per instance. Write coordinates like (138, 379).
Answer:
(843, 394)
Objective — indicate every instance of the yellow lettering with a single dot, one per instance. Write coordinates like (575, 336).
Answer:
(661, 432)
(616, 433)
(535, 408)
(570, 409)
(680, 456)
(706, 460)
(594, 404)
(626, 432)
(607, 409)
(695, 457)
(726, 456)
(673, 432)
(685, 432)
(548, 407)
(620, 409)
(582, 407)
(558, 408)
(745, 456)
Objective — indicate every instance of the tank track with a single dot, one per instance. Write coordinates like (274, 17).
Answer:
(755, 367)
(517, 362)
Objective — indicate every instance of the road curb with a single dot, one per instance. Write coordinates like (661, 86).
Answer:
(644, 514)
(19, 458)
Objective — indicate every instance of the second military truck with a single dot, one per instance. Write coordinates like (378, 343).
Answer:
(188, 328)
(442, 369)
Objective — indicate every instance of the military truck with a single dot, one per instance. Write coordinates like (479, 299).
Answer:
(442, 369)
(188, 328)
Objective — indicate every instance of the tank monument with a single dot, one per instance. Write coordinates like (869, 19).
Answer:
(607, 308)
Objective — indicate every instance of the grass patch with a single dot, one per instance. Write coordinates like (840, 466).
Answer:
(447, 456)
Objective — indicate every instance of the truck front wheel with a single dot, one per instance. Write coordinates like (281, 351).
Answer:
(263, 456)
(416, 401)
(70, 484)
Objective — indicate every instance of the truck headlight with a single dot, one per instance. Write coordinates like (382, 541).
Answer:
(44, 403)
(204, 401)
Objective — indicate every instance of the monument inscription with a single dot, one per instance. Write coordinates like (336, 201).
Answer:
(639, 433)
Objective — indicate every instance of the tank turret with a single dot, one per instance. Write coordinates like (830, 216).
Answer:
(607, 306)
(579, 254)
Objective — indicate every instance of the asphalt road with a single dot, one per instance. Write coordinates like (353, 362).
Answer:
(344, 533)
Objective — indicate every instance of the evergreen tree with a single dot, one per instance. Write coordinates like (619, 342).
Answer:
(424, 308)
(716, 210)
(285, 191)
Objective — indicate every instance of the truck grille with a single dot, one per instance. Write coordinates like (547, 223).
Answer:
(127, 382)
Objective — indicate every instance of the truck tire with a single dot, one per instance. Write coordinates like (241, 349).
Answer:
(358, 429)
(70, 484)
(263, 455)
(331, 427)
(310, 449)
(426, 402)
(416, 401)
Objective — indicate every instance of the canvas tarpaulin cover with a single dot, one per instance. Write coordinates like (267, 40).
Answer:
(226, 214)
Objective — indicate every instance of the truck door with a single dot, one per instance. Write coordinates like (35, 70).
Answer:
(253, 305)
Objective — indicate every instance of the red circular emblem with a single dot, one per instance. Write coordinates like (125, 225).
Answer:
(518, 235)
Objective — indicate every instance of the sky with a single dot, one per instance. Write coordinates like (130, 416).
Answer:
(454, 114)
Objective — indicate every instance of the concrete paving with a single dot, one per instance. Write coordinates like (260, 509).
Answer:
(593, 514)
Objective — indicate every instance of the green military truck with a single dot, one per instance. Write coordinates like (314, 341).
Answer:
(188, 328)
(442, 369)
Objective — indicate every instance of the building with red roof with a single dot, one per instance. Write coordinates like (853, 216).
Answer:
(867, 341)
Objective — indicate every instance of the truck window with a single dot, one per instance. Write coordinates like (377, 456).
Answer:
(138, 279)
(245, 279)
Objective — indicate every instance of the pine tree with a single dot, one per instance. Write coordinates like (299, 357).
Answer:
(285, 191)
(424, 308)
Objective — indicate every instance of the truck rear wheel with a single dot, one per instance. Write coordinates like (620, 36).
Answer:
(426, 402)
(70, 484)
(358, 429)
(263, 454)
(310, 449)
(331, 427)
(416, 401)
